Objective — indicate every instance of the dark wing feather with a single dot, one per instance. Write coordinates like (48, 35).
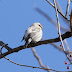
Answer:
(23, 36)
(22, 39)
(29, 37)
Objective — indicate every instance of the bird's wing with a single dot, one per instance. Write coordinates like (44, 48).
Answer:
(30, 35)
(22, 39)
(27, 32)
(30, 32)
(29, 38)
(25, 35)
(35, 29)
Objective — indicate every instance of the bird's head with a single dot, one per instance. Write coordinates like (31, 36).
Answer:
(37, 25)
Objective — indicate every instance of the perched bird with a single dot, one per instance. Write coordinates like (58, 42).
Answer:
(33, 34)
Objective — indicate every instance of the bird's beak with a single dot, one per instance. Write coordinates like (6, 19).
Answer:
(42, 27)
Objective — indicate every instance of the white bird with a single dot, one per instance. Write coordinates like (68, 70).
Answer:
(33, 33)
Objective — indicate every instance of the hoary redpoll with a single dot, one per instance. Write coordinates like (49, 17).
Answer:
(33, 34)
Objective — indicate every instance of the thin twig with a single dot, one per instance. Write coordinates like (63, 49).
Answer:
(27, 65)
(50, 19)
(2, 47)
(58, 25)
(58, 6)
(60, 32)
(61, 28)
(57, 10)
(67, 10)
(7, 47)
(57, 47)
(38, 59)
(61, 50)
(67, 46)
(71, 21)
(32, 66)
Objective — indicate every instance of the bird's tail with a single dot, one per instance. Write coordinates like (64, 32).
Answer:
(28, 42)
(22, 39)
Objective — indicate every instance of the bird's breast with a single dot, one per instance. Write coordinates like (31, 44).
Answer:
(37, 37)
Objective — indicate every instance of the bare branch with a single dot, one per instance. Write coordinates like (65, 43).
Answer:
(71, 21)
(67, 10)
(5, 45)
(58, 5)
(58, 24)
(27, 65)
(57, 47)
(50, 19)
(64, 36)
(57, 10)
(38, 59)
(67, 46)
(65, 52)
(60, 32)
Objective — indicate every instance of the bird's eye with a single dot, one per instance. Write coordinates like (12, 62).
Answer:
(39, 25)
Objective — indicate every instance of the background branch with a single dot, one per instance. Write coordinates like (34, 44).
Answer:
(71, 21)
(67, 10)
(39, 60)
(27, 65)
(57, 9)
(50, 19)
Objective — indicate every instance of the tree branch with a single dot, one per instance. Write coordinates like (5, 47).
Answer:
(58, 24)
(50, 19)
(27, 65)
(67, 10)
(71, 21)
(64, 36)
(57, 9)
(7, 47)
(39, 60)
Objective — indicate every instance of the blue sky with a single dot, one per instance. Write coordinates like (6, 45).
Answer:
(15, 17)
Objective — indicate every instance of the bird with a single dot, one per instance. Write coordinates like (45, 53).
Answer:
(33, 34)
